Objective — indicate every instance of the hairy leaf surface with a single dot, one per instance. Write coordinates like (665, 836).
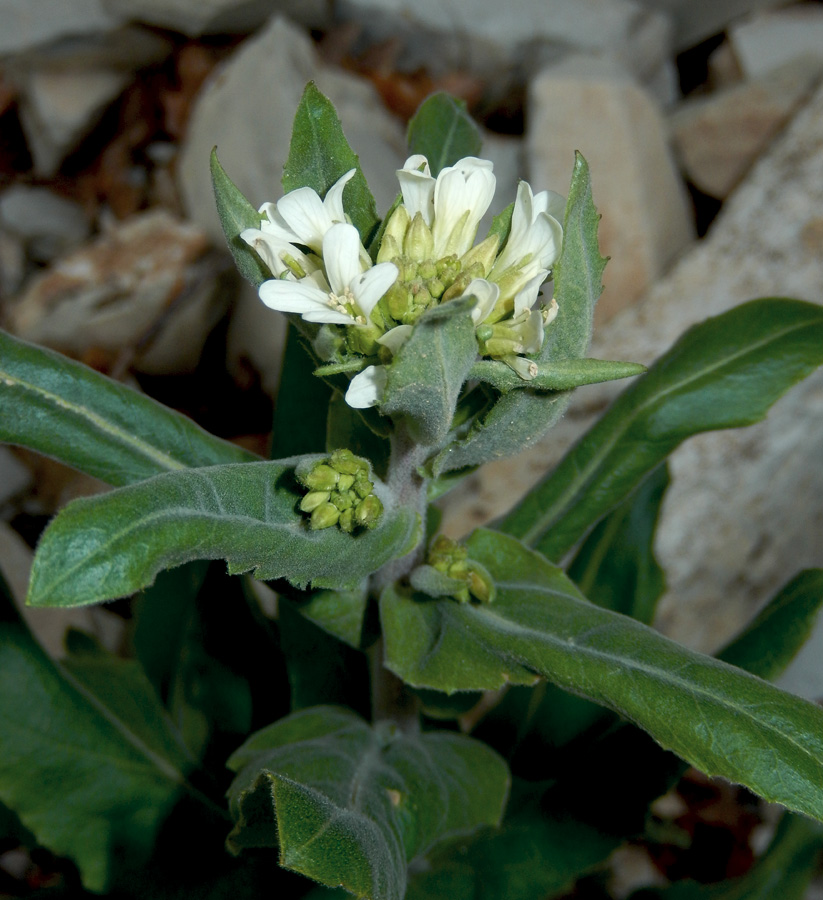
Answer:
(66, 410)
(350, 805)
(716, 717)
(443, 132)
(723, 373)
(110, 546)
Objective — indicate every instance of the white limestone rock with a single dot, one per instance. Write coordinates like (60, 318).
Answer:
(28, 23)
(771, 40)
(483, 35)
(696, 20)
(718, 137)
(49, 225)
(591, 105)
(745, 510)
(197, 17)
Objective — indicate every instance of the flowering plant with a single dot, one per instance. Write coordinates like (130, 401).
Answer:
(417, 714)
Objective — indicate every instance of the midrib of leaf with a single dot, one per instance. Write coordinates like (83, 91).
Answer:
(162, 459)
(163, 765)
(559, 507)
(506, 626)
(441, 161)
(161, 516)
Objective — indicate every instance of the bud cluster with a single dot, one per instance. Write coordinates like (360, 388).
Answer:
(452, 559)
(340, 493)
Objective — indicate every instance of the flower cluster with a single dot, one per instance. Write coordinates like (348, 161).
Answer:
(340, 493)
(427, 256)
(452, 559)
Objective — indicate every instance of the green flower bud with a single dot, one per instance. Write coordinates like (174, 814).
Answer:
(389, 249)
(313, 499)
(396, 228)
(427, 269)
(363, 488)
(362, 339)
(419, 242)
(368, 511)
(398, 300)
(326, 515)
(346, 521)
(435, 287)
(346, 463)
(484, 254)
(457, 288)
(480, 583)
(321, 478)
(345, 482)
(448, 268)
(344, 500)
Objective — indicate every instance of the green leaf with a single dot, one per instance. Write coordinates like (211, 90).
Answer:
(425, 378)
(350, 805)
(502, 225)
(520, 418)
(443, 132)
(92, 775)
(771, 641)
(562, 375)
(785, 870)
(342, 614)
(319, 155)
(301, 408)
(66, 410)
(110, 546)
(321, 669)
(347, 429)
(616, 567)
(236, 214)
(718, 718)
(723, 373)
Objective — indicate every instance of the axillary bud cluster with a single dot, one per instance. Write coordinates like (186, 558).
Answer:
(339, 492)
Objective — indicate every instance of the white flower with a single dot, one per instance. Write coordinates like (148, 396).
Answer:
(302, 217)
(536, 235)
(486, 294)
(346, 296)
(452, 204)
(367, 387)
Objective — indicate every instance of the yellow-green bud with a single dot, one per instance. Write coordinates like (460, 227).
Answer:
(397, 226)
(484, 254)
(368, 511)
(427, 269)
(346, 463)
(419, 242)
(345, 482)
(398, 301)
(346, 521)
(313, 499)
(435, 287)
(389, 249)
(363, 488)
(324, 516)
(321, 478)
(481, 585)
(448, 268)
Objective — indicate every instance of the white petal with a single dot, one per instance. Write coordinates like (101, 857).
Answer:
(525, 368)
(527, 295)
(275, 224)
(333, 201)
(486, 294)
(304, 213)
(268, 247)
(341, 255)
(303, 297)
(395, 337)
(370, 286)
(417, 187)
(466, 186)
(533, 333)
(551, 203)
(367, 387)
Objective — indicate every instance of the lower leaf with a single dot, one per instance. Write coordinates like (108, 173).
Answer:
(718, 718)
(351, 805)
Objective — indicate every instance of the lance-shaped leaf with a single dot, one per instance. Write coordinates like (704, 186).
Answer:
(443, 131)
(319, 155)
(64, 409)
(562, 375)
(91, 774)
(716, 717)
(520, 418)
(350, 805)
(785, 870)
(110, 546)
(425, 377)
(723, 373)
(236, 214)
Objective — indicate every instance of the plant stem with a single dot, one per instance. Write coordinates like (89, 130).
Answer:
(391, 699)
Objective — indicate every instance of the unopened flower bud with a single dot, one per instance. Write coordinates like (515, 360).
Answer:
(398, 301)
(344, 500)
(363, 488)
(345, 482)
(481, 584)
(435, 287)
(483, 254)
(346, 521)
(368, 511)
(324, 516)
(346, 463)
(321, 478)
(419, 242)
(313, 499)
(389, 249)
(427, 269)
(397, 226)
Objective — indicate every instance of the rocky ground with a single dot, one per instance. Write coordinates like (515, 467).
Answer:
(703, 126)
